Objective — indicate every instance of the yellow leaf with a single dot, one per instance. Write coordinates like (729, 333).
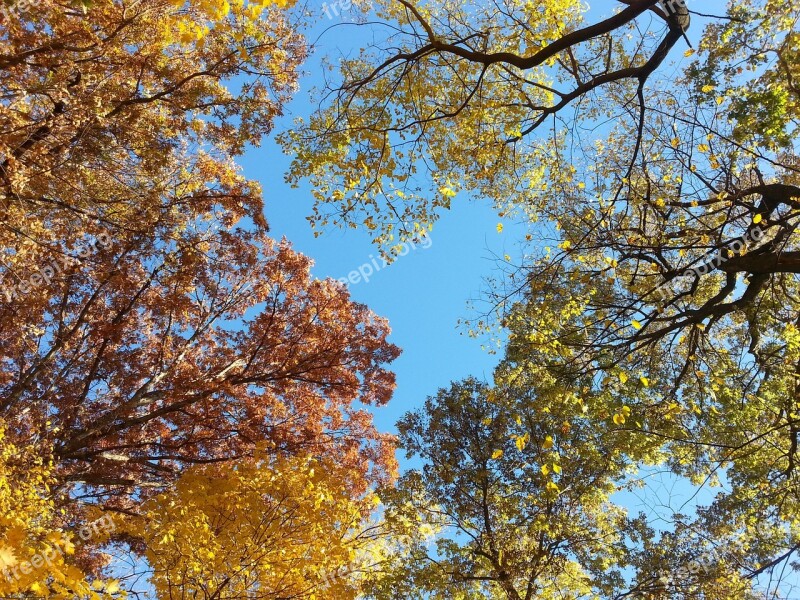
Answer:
(499, 228)
(7, 558)
(757, 219)
(636, 324)
(556, 468)
(548, 442)
(112, 587)
(645, 381)
(447, 192)
(623, 376)
(497, 454)
(545, 470)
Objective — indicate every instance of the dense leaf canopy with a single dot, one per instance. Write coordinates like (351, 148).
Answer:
(169, 365)
(660, 185)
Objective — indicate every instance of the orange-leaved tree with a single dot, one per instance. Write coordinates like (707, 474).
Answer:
(121, 107)
(148, 322)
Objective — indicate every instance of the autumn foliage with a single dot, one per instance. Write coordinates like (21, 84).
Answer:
(40, 556)
(151, 332)
(269, 528)
(187, 412)
(651, 150)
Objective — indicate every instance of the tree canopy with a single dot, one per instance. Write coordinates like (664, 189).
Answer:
(185, 411)
(651, 148)
(153, 333)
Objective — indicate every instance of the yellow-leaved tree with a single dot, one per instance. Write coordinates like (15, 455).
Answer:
(39, 556)
(265, 528)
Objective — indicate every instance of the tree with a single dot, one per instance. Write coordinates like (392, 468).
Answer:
(158, 353)
(148, 323)
(694, 164)
(115, 111)
(521, 478)
(38, 555)
(663, 203)
(122, 269)
(162, 353)
(263, 528)
(527, 500)
(457, 91)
